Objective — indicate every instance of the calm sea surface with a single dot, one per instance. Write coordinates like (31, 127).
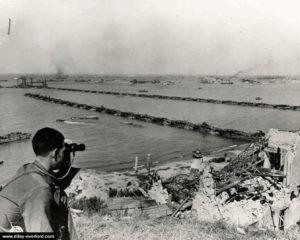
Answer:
(112, 144)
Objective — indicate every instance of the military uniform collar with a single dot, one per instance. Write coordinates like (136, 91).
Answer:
(42, 169)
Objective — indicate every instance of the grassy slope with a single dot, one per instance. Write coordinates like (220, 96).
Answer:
(168, 228)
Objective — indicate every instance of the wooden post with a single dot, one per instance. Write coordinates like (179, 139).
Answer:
(178, 209)
(9, 23)
(148, 163)
(136, 164)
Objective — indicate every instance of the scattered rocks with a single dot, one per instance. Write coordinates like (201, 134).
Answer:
(182, 186)
(89, 183)
(158, 193)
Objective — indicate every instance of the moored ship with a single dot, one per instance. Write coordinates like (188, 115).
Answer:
(14, 136)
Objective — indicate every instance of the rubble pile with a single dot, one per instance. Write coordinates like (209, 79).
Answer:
(158, 193)
(182, 186)
(243, 205)
(205, 203)
(89, 184)
(244, 166)
(126, 192)
(244, 193)
(258, 198)
(206, 207)
(244, 213)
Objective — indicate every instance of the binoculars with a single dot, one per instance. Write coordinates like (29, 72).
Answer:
(74, 147)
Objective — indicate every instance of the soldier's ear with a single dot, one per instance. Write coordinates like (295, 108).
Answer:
(54, 154)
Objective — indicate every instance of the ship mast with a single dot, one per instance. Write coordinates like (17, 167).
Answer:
(9, 24)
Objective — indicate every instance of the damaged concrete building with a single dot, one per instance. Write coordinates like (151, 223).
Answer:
(260, 186)
(283, 154)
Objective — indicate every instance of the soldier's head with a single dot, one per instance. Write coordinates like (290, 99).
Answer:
(48, 144)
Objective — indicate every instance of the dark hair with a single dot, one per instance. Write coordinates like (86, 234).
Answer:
(46, 140)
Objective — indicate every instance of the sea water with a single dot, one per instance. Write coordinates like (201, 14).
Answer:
(112, 143)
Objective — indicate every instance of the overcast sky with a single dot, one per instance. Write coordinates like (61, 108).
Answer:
(150, 37)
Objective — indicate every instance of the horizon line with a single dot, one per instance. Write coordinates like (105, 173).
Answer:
(154, 74)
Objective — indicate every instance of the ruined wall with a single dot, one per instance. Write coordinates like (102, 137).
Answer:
(294, 177)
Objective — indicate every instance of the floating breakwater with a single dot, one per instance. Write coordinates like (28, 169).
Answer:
(204, 100)
(204, 128)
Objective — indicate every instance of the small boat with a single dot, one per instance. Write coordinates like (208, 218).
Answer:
(73, 122)
(226, 82)
(86, 117)
(133, 124)
(69, 122)
(14, 136)
(60, 120)
(258, 98)
(92, 117)
(143, 90)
